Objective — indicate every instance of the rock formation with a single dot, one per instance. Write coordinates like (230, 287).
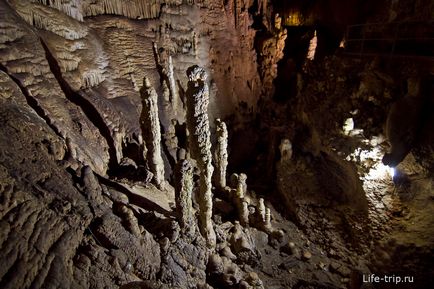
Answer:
(240, 199)
(183, 197)
(151, 131)
(285, 149)
(403, 134)
(264, 216)
(200, 145)
(172, 85)
(77, 142)
(221, 154)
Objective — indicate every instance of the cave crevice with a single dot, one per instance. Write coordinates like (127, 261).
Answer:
(89, 110)
(32, 102)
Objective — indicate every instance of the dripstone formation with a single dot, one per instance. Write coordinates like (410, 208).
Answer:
(183, 196)
(221, 154)
(197, 95)
(151, 131)
(115, 163)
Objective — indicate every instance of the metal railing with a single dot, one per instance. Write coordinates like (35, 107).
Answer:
(395, 39)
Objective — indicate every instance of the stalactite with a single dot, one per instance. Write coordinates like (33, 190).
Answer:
(43, 20)
(142, 9)
(200, 145)
(92, 78)
(151, 130)
(221, 154)
(183, 192)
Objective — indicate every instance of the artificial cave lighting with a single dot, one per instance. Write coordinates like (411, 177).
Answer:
(371, 160)
(380, 171)
(293, 19)
(391, 172)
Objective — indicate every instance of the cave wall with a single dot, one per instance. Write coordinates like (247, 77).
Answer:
(71, 72)
(89, 59)
(70, 76)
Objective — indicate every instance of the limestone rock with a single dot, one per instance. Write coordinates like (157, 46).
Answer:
(221, 154)
(200, 145)
(151, 131)
(183, 196)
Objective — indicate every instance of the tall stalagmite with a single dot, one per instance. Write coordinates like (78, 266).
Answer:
(150, 124)
(200, 145)
(239, 198)
(183, 192)
(221, 154)
(172, 84)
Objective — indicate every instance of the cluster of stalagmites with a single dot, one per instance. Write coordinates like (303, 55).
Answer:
(250, 213)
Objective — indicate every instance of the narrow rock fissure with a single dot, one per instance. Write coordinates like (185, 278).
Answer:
(31, 101)
(85, 105)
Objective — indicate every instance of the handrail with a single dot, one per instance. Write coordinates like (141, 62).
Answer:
(412, 38)
(365, 35)
(390, 23)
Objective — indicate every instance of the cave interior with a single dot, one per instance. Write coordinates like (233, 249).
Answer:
(217, 144)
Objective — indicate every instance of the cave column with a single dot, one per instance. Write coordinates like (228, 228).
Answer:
(200, 146)
(150, 124)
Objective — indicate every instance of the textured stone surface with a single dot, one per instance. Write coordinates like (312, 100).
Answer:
(150, 123)
(200, 145)
(221, 154)
(183, 196)
(77, 209)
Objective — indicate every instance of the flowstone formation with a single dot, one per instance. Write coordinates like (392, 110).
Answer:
(197, 95)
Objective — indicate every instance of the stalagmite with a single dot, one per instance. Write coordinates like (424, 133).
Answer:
(261, 210)
(240, 201)
(244, 213)
(200, 145)
(183, 191)
(285, 149)
(312, 47)
(242, 183)
(172, 84)
(221, 154)
(267, 221)
(264, 215)
(151, 131)
(130, 220)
